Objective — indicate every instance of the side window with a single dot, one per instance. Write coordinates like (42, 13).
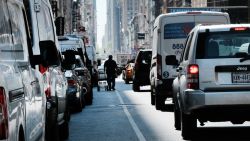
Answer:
(45, 24)
(5, 34)
(188, 45)
(182, 54)
(18, 32)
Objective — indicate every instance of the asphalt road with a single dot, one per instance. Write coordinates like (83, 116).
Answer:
(124, 115)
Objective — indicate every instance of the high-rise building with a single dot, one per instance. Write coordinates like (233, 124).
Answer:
(129, 9)
(238, 10)
(113, 22)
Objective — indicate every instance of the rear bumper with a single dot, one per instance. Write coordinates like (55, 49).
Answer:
(73, 97)
(195, 101)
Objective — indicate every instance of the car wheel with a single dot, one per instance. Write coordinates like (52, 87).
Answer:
(177, 116)
(188, 126)
(126, 81)
(177, 119)
(64, 130)
(89, 97)
(83, 100)
(136, 87)
(152, 97)
(79, 105)
(51, 125)
(159, 102)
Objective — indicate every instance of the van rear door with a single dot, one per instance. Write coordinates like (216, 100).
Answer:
(175, 29)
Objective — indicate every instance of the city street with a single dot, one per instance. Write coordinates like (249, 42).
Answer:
(124, 115)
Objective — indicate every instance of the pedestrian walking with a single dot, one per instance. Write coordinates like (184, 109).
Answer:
(110, 68)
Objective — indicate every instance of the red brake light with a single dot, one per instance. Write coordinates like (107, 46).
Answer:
(4, 126)
(193, 69)
(42, 69)
(48, 91)
(194, 12)
(72, 83)
(193, 76)
(240, 28)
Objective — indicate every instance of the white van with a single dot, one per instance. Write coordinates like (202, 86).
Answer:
(169, 35)
(22, 99)
(44, 42)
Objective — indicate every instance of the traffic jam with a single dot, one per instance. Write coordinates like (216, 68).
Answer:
(53, 87)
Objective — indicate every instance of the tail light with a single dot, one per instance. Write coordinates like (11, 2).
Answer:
(193, 76)
(159, 66)
(42, 69)
(3, 116)
(48, 91)
(72, 83)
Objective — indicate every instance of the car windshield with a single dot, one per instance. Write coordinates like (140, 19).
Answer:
(223, 45)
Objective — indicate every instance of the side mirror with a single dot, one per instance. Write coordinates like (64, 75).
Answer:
(69, 61)
(49, 54)
(171, 60)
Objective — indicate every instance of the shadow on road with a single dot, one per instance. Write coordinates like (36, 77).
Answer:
(222, 134)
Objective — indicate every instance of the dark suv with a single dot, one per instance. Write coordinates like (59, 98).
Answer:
(142, 69)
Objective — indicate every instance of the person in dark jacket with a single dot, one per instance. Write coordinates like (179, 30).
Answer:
(110, 68)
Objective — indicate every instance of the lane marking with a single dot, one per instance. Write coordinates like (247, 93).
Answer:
(131, 120)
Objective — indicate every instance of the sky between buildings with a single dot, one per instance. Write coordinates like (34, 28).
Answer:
(101, 20)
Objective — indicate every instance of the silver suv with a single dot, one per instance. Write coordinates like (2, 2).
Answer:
(213, 82)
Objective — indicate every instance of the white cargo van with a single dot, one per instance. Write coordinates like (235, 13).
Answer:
(44, 42)
(169, 35)
(22, 99)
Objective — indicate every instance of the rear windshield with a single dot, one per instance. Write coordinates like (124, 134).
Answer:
(223, 45)
(145, 55)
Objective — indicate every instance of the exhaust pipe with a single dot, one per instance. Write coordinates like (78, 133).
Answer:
(84, 90)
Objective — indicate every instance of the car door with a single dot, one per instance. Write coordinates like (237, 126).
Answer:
(184, 63)
(30, 79)
(10, 79)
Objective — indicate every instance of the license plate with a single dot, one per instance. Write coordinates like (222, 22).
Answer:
(241, 77)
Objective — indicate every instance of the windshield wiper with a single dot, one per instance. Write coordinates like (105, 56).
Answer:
(245, 58)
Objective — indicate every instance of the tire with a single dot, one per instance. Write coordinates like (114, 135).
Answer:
(126, 81)
(136, 87)
(79, 106)
(177, 119)
(64, 130)
(159, 102)
(188, 126)
(152, 97)
(51, 125)
(89, 97)
(83, 100)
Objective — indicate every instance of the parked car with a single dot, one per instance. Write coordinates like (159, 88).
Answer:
(169, 35)
(91, 63)
(21, 87)
(45, 43)
(76, 45)
(74, 91)
(213, 78)
(127, 72)
(142, 69)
